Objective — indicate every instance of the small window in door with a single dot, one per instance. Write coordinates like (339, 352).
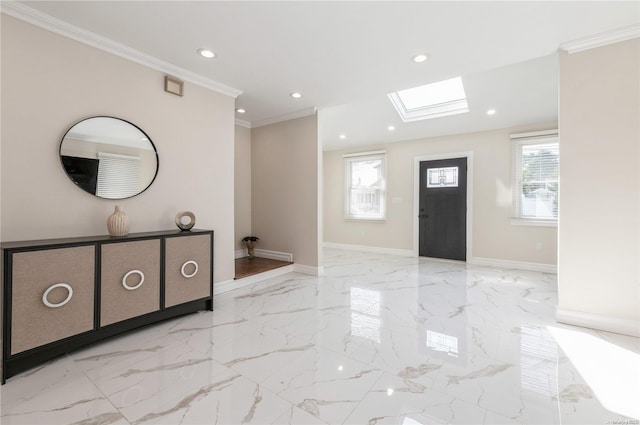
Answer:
(442, 177)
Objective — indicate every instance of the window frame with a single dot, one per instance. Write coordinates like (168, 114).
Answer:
(365, 156)
(518, 141)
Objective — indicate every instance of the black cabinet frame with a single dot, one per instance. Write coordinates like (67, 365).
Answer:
(20, 362)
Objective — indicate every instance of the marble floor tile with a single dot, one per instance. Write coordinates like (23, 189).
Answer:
(521, 392)
(378, 339)
(324, 384)
(296, 416)
(395, 400)
(224, 399)
(56, 393)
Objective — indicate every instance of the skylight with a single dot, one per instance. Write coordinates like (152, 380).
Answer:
(431, 101)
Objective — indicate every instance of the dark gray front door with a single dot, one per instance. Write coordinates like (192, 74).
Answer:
(443, 209)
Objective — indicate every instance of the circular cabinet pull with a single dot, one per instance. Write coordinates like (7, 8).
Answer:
(51, 288)
(132, 288)
(185, 265)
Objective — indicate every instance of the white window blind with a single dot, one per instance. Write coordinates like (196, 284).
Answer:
(365, 186)
(118, 176)
(535, 177)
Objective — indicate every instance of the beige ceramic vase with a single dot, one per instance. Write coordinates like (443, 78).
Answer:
(118, 223)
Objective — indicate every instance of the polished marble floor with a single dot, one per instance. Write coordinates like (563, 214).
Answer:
(377, 340)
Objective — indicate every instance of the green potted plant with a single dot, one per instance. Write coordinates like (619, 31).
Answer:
(251, 244)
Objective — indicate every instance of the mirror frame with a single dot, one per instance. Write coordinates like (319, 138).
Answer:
(155, 150)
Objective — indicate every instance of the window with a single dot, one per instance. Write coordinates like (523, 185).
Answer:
(431, 101)
(365, 194)
(442, 177)
(535, 178)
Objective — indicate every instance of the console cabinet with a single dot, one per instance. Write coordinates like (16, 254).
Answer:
(62, 294)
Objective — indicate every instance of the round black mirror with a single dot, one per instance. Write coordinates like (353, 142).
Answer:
(109, 157)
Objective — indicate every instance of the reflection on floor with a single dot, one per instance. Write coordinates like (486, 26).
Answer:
(378, 339)
(249, 266)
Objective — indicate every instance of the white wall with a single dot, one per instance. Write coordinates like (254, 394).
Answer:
(494, 237)
(50, 82)
(242, 185)
(284, 188)
(599, 259)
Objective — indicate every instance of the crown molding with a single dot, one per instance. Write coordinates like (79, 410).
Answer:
(243, 123)
(286, 117)
(602, 39)
(49, 23)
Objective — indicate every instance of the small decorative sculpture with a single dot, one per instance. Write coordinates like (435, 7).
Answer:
(185, 226)
(251, 244)
(118, 223)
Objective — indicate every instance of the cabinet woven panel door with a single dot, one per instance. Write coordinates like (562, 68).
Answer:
(187, 269)
(129, 280)
(52, 295)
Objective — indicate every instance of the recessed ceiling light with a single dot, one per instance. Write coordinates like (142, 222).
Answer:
(391, 128)
(296, 95)
(206, 53)
(491, 112)
(342, 137)
(241, 110)
(422, 57)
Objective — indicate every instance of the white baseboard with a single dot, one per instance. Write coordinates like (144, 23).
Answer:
(372, 249)
(595, 321)
(265, 253)
(509, 264)
(230, 285)
(313, 271)
(224, 286)
(492, 262)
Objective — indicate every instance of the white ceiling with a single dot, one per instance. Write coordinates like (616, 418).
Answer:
(345, 57)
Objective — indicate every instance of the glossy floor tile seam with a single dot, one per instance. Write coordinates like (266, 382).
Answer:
(106, 397)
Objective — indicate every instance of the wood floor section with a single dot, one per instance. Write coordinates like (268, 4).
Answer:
(249, 266)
